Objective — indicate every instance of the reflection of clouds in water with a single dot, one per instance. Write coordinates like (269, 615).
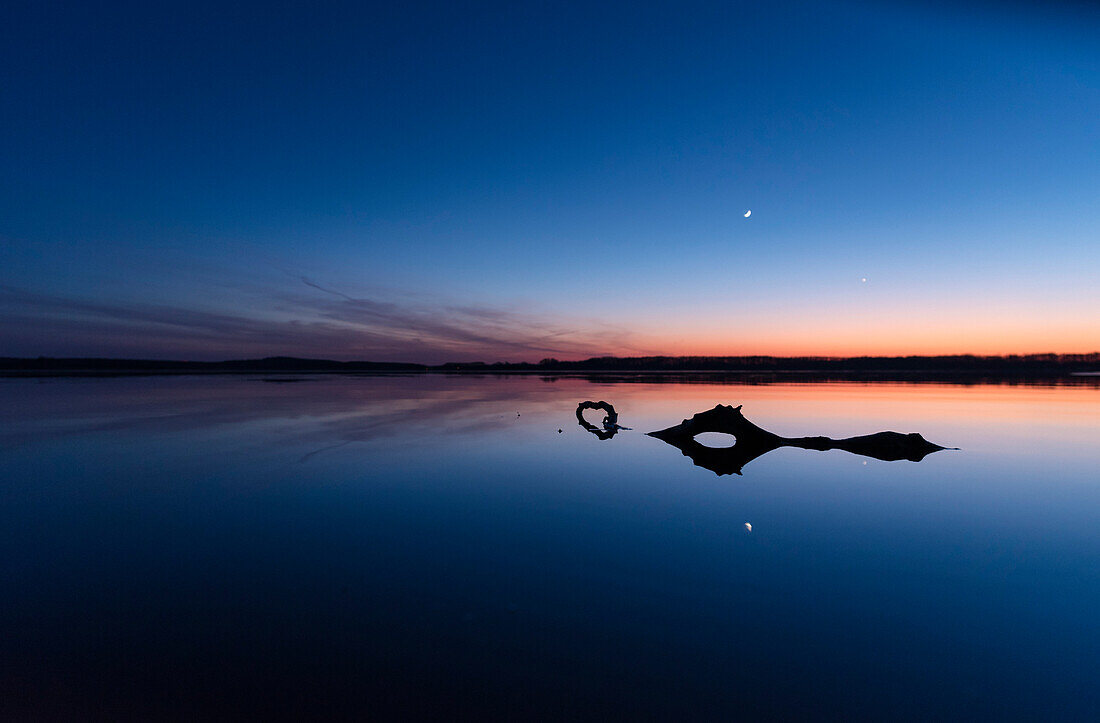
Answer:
(436, 417)
(332, 410)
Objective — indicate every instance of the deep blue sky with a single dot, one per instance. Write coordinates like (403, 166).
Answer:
(512, 181)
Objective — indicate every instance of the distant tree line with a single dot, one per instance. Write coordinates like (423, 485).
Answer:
(1015, 364)
(1062, 363)
(269, 364)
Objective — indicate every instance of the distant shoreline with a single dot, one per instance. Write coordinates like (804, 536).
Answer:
(1070, 368)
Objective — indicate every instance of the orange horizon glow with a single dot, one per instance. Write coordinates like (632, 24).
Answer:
(850, 353)
(845, 341)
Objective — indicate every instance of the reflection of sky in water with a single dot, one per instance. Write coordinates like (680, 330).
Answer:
(411, 543)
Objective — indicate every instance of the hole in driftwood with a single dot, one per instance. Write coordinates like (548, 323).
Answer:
(594, 417)
(716, 440)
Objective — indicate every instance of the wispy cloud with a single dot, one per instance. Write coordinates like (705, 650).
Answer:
(320, 322)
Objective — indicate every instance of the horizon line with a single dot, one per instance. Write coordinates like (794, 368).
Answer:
(1033, 356)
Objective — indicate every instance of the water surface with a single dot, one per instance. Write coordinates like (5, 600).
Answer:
(402, 545)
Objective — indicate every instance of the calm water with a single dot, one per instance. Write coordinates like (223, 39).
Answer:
(411, 545)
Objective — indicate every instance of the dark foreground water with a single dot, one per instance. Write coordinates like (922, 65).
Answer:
(402, 546)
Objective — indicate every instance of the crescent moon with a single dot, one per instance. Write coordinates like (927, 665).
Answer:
(748, 213)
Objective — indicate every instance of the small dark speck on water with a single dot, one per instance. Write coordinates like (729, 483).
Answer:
(559, 431)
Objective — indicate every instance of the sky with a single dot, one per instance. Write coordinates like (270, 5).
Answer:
(513, 181)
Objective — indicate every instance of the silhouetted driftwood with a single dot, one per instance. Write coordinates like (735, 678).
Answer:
(610, 420)
(752, 441)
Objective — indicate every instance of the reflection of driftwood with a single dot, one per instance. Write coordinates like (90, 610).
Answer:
(752, 441)
(610, 420)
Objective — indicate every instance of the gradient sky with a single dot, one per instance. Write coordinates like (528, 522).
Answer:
(510, 181)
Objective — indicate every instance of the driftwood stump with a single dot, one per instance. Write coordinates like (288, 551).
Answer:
(752, 441)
